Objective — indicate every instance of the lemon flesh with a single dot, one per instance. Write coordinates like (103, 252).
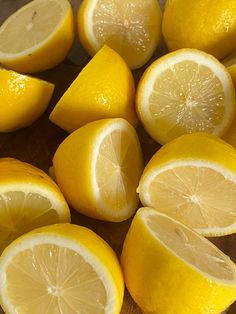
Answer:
(169, 268)
(98, 167)
(193, 180)
(132, 28)
(28, 199)
(38, 36)
(61, 269)
(184, 92)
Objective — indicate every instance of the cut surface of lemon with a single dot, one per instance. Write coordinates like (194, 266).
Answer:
(98, 167)
(103, 89)
(169, 268)
(23, 99)
(183, 92)
(186, 24)
(38, 36)
(28, 199)
(61, 268)
(132, 28)
(193, 179)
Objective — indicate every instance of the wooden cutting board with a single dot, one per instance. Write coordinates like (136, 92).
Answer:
(37, 144)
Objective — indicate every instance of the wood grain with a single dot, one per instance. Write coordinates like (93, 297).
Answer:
(37, 144)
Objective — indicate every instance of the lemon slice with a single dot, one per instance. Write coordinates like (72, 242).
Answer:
(132, 28)
(61, 268)
(184, 92)
(38, 36)
(28, 199)
(98, 168)
(98, 93)
(193, 179)
(169, 268)
(23, 100)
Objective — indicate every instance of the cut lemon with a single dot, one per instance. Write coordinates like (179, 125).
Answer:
(98, 92)
(169, 268)
(28, 199)
(184, 92)
(23, 100)
(61, 268)
(187, 24)
(132, 28)
(38, 36)
(193, 179)
(230, 63)
(98, 167)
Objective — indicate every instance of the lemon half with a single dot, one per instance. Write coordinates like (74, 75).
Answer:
(38, 36)
(168, 268)
(60, 268)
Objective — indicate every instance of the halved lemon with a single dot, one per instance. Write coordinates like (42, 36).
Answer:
(28, 199)
(38, 36)
(132, 28)
(169, 268)
(61, 268)
(183, 92)
(98, 167)
(193, 179)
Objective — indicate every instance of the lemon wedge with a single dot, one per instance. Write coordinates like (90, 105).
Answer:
(132, 28)
(23, 100)
(169, 268)
(98, 167)
(61, 268)
(193, 179)
(28, 199)
(183, 92)
(38, 36)
(98, 92)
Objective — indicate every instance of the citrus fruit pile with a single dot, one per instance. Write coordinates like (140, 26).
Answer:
(182, 98)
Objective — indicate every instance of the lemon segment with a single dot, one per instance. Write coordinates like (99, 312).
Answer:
(60, 268)
(98, 167)
(189, 25)
(23, 100)
(193, 179)
(132, 28)
(38, 36)
(28, 199)
(97, 93)
(185, 91)
(169, 268)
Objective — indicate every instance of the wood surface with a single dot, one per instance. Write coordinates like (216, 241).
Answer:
(37, 144)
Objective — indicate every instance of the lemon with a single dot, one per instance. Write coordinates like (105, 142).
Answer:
(132, 28)
(61, 268)
(185, 91)
(230, 63)
(193, 179)
(206, 25)
(28, 199)
(103, 89)
(98, 168)
(169, 268)
(23, 100)
(38, 36)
